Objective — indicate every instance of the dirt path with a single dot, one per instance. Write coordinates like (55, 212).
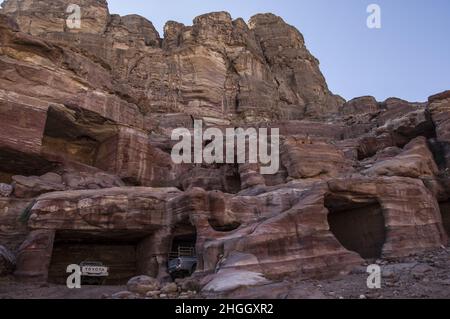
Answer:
(421, 276)
(10, 289)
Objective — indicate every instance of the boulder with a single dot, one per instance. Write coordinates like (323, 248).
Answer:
(32, 186)
(85, 152)
(169, 288)
(77, 179)
(229, 280)
(415, 161)
(142, 285)
(309, 158)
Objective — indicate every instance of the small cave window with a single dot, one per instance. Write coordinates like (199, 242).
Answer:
(232, 178)
(359, 227)
(223, 227)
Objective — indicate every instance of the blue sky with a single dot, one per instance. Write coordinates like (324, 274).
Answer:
(409, 57)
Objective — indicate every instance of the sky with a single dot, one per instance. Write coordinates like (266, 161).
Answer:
(408, 57)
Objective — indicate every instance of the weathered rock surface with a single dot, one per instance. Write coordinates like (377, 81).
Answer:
(308, 158)
(32, 186)
(416, 160)
(85, 168)
(37, 17)
(34, 256)
(440, 112)
(226, 280)
(142, 285)
(361, 105)
(238, 67)
(13, 231)
(7, 261)
(129, 208)
(78, 178)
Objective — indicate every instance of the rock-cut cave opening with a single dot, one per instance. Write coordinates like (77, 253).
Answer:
(359, 227)
(75, 135)
(116, 251)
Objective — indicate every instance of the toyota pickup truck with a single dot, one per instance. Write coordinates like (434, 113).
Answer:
(93, 272)
(182, 263)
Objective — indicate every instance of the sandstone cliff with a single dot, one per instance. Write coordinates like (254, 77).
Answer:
(86, 116)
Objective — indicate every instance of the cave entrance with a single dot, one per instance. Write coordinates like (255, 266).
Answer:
(358, 226)
(232, 179)
(75, 134)
(445, 211)
(183, 255)
(118, 252)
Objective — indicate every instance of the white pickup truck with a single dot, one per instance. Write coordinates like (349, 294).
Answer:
(182, 262)
(93, 272)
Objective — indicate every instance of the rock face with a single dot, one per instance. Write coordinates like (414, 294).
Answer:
(440, 112)
(416, 160)
(226, 280)
(37, 17)
(7, 261)
(307, 158)
(300, 82)
(129, 208)
(142, 284)
(217, 67)
(85, 140)
(12, 231)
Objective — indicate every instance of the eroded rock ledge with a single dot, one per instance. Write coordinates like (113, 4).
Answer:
(85, 168)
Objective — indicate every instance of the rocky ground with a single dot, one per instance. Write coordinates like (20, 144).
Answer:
(10, 289)
(86, 172)
(423, 276)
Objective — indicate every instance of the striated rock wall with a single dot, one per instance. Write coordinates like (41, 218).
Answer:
(38, 17)
(217, 67)
(86, 117)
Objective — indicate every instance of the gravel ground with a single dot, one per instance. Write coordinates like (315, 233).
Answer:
(421, 276)
(424, 276)
(9, 289)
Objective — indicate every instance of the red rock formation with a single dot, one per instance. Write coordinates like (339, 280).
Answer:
(86, 116)
(440, 112)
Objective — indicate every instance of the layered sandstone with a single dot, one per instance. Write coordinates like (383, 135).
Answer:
(86, 117)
